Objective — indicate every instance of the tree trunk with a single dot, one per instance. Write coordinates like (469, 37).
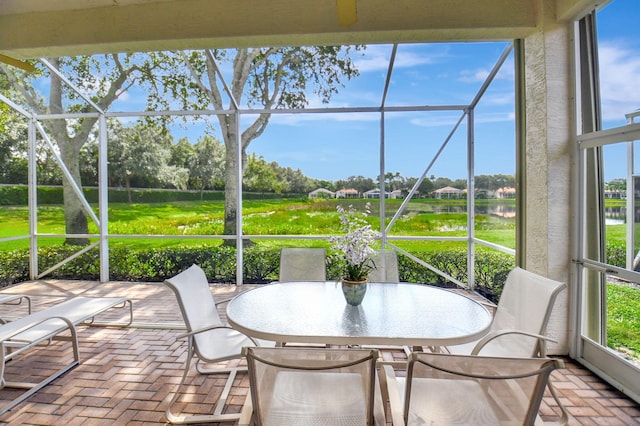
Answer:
(75, 216)
(127, 184)
(231, 189)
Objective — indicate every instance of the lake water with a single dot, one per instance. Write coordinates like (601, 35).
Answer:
(613, 215)
(499, 210)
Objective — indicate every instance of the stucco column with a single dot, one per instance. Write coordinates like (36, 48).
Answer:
(548, 159)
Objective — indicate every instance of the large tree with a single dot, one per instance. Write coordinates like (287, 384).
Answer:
(259, 176)
(182, 153)
(104, 78)
(13, 142)
(359, 183)
(261, 78)
(141, 154)
(207, 164)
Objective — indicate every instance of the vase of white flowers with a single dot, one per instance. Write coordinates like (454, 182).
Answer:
(355, 249)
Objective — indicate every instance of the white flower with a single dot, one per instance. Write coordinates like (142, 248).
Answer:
(356, 244)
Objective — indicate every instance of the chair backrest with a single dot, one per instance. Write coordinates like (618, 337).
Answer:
(444, 389)
(386, 269)
(525, 304)
(302, 264)
(292, 386)
(195, 300)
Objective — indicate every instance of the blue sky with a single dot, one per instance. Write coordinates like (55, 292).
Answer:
(619, 56)
(619, 59)
(336, 146)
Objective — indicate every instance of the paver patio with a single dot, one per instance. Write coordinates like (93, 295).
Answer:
(127, 376)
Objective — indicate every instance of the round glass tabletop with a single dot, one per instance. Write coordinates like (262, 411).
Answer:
(398, 314)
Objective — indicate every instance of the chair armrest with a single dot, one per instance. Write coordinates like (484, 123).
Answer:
(202, 330)
(224, 300)
(496, 334)
(213, 327)
(228, 298)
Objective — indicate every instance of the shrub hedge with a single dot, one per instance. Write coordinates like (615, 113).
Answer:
(260, 265)
(18, 195)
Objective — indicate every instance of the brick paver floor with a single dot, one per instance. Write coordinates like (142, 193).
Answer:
(127, 375)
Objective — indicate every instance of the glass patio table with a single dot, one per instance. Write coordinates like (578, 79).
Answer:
(391, 314)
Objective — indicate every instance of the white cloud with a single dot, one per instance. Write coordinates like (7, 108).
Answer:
(124, 96)
(498, 98)
(407, 58)
(506, 72)
(473, 76)
(451, 119)
(495, 117)
(619, 79)
(377, 57)
(438, 120)
(301, 119)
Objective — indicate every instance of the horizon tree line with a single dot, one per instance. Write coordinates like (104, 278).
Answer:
(144, 155)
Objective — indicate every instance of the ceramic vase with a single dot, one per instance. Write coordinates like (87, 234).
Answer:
(354, 291)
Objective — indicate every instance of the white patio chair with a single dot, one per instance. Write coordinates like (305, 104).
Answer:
(443, 389)
(208, 339)
(520, 322)
(386, 269)
(300, 386)
(302, 264)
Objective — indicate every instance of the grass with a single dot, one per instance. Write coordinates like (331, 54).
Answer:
(270, 217)
(623, 324)
(15, 221)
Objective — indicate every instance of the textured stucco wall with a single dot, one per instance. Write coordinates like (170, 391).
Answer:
(548, 152)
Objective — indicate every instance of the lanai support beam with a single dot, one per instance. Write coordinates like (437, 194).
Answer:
(548, 154)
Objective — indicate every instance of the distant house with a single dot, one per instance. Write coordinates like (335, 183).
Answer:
(347, 193)
(375, 193)
(397, 194)
(448, 192)
(321, 193)
(615, 193)
(506, 192)
(485, 193)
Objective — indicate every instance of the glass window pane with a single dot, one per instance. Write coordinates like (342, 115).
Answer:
(618, 46)
(623, 322)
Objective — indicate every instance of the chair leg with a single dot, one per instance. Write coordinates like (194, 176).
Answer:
(391, 390)
(564, 414)
(32, 388)
(246, 415)
(217, 416)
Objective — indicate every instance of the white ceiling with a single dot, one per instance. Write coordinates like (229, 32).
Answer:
(37, 28)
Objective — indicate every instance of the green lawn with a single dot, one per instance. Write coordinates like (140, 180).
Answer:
(272, 217)
(623, 322)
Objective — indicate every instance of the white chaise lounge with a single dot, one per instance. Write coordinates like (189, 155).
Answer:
(14, 299)
(54, 323)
